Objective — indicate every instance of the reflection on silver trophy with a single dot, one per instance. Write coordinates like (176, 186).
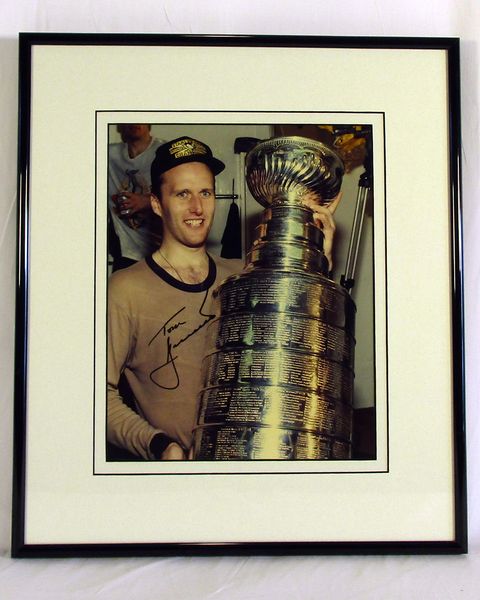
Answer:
(278, 369)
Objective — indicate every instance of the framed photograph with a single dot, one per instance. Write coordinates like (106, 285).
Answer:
(239, 307)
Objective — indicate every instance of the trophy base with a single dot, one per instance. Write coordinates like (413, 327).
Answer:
(253, 442)
(278, 369)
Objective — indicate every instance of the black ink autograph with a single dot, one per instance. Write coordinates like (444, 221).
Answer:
(168, 368)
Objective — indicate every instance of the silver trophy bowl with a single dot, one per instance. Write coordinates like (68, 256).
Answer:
(286, 169)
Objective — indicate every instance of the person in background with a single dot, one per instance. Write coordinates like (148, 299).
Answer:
(133, 227)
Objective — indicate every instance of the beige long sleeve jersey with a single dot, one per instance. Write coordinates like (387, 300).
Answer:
(156, 336)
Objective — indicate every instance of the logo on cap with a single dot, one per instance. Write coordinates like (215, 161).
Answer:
(187, 147)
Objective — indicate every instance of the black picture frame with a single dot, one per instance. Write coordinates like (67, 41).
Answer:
(42, 469)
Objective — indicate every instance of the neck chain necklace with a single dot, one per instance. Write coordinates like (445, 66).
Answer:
(171, 266)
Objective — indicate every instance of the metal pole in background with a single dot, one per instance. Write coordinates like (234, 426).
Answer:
(365, 182)
(364, 187)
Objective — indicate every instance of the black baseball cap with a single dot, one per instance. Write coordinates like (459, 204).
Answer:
(183, 150)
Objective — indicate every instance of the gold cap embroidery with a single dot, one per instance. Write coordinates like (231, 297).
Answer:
(187, 147)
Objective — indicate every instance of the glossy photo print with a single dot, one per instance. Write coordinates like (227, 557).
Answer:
(276, 343)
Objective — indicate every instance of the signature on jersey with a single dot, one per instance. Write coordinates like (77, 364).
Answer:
(167, 371)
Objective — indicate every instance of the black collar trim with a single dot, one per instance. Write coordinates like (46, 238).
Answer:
(180, 285)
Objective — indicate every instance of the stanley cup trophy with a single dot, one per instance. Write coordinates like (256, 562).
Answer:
(278, 369)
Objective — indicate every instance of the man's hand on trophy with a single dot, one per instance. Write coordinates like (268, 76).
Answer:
(173, 452)
(323, 218)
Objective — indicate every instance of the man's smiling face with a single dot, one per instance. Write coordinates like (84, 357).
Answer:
(187, 204)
